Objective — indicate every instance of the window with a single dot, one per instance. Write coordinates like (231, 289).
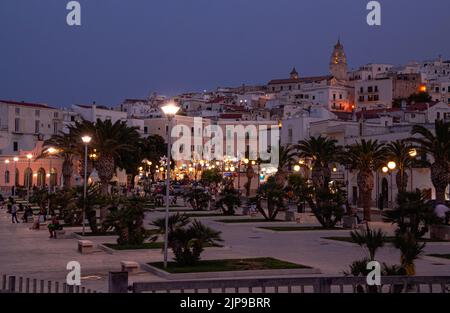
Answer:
(72, 118)
(17, 111)
(376, 88)
(55, 128)
(370, 89)
(145, 130)
(438, 115)
(334, 96)
(17, 125)
(37, 113)
(340, 96)
(361, 89)
(36, 127)
(15, 146)
(55, 114)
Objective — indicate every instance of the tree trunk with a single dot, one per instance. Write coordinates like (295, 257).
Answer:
(365, 184)
(317, 177)
(106, 169)
(440, 179)
(67, 170)
(401, 180)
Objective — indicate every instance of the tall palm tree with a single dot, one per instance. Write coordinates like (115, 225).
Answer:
(113, 142)
(398, 151)
(366, 157)
(437, 145)
(322, 151)
(78, 130)
(66, 149)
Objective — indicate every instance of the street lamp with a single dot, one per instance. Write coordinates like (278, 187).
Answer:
(30, 179)
(412, 153)
(391, 166)
(50, 152)
(86, 140)
(170, 110)
(15, 159)
(7, 171)
(297, 168)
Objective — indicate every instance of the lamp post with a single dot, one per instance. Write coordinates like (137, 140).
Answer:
(170, 110)
(7, 171)
(30, 179)
(86, 140)
(412, 154)
(15, 159)
(50, 151)
(391, 166)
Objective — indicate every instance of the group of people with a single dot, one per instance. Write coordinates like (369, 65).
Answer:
(13, 208)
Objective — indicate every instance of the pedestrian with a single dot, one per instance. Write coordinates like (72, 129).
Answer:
(28, 213)
(53, 227)
(9, 204)
(14, 210)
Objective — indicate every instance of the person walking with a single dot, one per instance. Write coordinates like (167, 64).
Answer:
(14, 210)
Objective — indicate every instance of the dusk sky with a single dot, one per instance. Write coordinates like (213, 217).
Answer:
(130, 48)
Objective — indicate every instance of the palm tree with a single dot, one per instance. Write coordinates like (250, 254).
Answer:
(366, 157)
(398, 151)
(67, 149)
(274, 194)
(436, 145)
(372, 240)
(322, 151)
(285, 159)
(112, 142)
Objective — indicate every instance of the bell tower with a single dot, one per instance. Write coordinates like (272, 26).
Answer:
(338, 62)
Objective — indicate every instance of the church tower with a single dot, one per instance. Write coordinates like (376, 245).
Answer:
(294, 74)
(338, 62)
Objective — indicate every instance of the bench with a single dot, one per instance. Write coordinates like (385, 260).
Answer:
(85, 246)
(60, 234)
(305, 218)
(129, 266)
(349, 222)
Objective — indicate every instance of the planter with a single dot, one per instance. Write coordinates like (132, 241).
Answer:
(440, 232)
(349, 222)
(228, 274)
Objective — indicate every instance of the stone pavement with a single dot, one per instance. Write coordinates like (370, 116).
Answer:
(30, 253)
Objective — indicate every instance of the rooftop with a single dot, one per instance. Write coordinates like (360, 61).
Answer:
(28, 104)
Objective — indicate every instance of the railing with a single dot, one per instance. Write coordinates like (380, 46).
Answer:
(389, 284)
(118, 283)
(14, 284)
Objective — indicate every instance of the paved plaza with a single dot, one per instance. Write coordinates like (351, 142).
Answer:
(31, 253)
